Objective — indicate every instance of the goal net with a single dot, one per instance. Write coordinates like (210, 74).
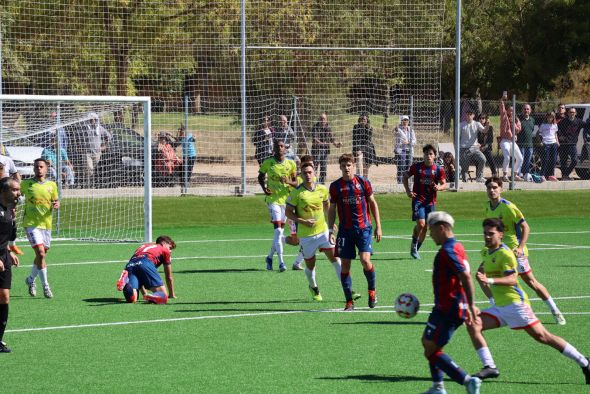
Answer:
(297, 58)
(96, 151)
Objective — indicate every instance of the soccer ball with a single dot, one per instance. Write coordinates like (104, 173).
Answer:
(407, 305)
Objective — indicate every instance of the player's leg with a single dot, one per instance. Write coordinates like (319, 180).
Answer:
(130, 288)
(364, 243)
(5, 285)
(419, 232)
(279, 219)
(150, 278)
(488, 320)
(526, 273)
(159, 295)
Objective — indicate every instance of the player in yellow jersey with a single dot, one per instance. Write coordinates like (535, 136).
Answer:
(275, 176)
(516, 237)
(307, 205)
(40, 200)
(512, 308)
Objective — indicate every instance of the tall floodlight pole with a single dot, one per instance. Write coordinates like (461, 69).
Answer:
(243, 89)
(457, 91)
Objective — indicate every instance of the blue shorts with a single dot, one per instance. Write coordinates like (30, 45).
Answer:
(440, 327)
(421, 210)
(348, 239)
(142, 272)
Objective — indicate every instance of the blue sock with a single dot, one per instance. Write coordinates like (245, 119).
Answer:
(446, 363)
(346, 285)
(128, 293)
(436, 373)
(371, 277)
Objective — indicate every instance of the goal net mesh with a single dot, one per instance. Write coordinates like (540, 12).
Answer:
(303, 57)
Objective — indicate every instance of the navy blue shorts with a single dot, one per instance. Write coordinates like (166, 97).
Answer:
(142, 272)
(440, 327)
(349, 239)
(421, 210)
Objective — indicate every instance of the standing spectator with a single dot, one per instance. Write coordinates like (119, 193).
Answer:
(548, 133)
(189, 154)
(9, 194)
(469, 148)
(486, 142)
(66, 167)
(506, 134)
(286, 134)
(525, 141)
(60, 132)
(166, 163)
(96, 139)
(561, 113)
(448, 161)
(262, 140)
(320, 149)
(568, 131)
(9, 167)
(363, 149)
(405, 139)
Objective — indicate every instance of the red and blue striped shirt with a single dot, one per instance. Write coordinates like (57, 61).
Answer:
(425, 177)
(351, 198)
(156, 253)
(449, 294)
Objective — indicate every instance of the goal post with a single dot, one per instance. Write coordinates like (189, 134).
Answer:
(100, 155)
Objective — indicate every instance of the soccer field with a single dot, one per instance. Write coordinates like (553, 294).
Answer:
(236, 327)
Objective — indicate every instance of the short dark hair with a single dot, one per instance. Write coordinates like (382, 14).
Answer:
(345, 158)
(5, 183)
(494, 222)
(167, 239)
(495, 179)
(43, 160)
(428, 147)
(306, 159)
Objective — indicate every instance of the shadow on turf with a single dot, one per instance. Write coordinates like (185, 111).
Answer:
(219, 271)
(386, 322)
(379, 378)
(104, 301)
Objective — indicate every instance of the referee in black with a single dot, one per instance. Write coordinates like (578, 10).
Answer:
(9, 194)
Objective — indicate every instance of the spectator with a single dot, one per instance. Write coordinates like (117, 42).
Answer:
(469, 148)
(165, 160)
(96, 139)
(9, 167)
(286, 134)
(67, 169)
(363, 149)
(506, 134)
(525, 141)
(60, 131)
(568, 131)
(548, 133)
(561, 113)
(486, 141)
(262, 140)
(405, 139)
(189, 153)
(448, 161)
(320, 148)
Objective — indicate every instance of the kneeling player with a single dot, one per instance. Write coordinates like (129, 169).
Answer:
(142, 272)
(512, 307)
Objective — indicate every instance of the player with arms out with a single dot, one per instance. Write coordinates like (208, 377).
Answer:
(41, 199)
(453, 304)
(280, 174)
(352, 196)
(429, 178)
(515, 237)
(141, 272)
(512, 308)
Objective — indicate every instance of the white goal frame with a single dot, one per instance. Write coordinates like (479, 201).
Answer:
(147, 128)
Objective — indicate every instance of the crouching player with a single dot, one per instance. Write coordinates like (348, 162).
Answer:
(142, 272)
(512, 307)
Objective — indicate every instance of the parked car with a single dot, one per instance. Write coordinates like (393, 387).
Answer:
(122, 162)
(21, 149)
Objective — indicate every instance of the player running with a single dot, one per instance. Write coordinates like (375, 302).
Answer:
(516, 237)
(353, 197)
(429, 178)
(41, 199)
(453, 305)
(280, 173)
(141, 272)
(512, 308)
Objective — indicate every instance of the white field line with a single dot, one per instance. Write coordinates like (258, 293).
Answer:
(384, 309)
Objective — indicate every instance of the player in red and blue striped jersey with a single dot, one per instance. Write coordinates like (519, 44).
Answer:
(453, 304)
(142, 272)
(352, 196)
(428, 179)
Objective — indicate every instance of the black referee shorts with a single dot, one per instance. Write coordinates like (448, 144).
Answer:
(6, 275)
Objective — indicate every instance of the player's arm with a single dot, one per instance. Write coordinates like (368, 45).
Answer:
(405, 180)
(262, 182)
(467, 283)
(169, 280)
(525, 230)
(375, 210)
(331, 221)
(509, 279)
(483, 284)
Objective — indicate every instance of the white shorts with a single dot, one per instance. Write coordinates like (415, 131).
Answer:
(38, 236)
(523, 266)
(515, 316)
(309, 245)
(277, 213)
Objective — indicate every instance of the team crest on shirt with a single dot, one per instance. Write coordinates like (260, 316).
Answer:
(357, 186)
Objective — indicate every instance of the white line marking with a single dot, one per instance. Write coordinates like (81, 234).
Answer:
(176, 319)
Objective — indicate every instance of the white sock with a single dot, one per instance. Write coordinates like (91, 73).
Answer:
(11, 243)
(337, 267)
(278, 244)
(551, 304)
(272, 250)
(571, 352)
(311, 277)
(34, 272)
(43, 277)
(486, 358)
(299, 258)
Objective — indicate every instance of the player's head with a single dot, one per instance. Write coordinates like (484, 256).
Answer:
(346, 162)
(493, 231)
(494, 187)
(40, 167)
(166, 240)
(279, 149)
(307, 172)
(9, 192)
(306, 159)
(441, 225)
(429, 154)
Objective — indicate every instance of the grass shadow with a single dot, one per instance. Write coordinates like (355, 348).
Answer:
(379, 378)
